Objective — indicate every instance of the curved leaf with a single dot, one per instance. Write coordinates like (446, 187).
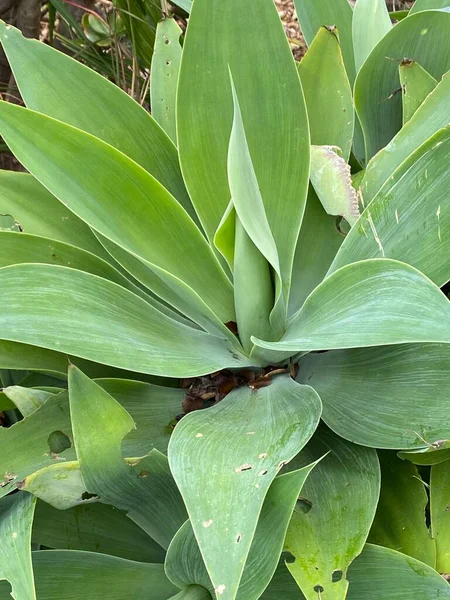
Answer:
(231, 453)
(378, 105)
(440, 514)
(99, 319)
(417, 84)
(369, 303)
(427, 5)
(192, 592)
(387, 397)
(332, 518)
(371, 22)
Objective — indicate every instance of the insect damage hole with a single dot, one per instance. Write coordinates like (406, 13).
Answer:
(238, 538)
(58, 442)
(336, 576)
(243, 468)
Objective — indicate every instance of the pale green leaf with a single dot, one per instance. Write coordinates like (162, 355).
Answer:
(96, 528)
(192, 592)
(409, 219)
(99, 320)
(386, 397)
(428, 4)
(184, 4)
(164, 75)
(27, 400)
(400, 518)
(369, 303)
(16, 519)
(440, 513)
(75, 574)
(151, 224)
(422, 37)
(332, 518)
(231, 453)
(225, 235)
(433, 454)
(328, 94)
(416, 85)
(371, 22)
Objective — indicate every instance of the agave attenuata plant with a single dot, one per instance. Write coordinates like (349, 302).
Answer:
(222, 279)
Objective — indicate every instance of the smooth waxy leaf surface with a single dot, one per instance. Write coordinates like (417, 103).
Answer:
(164, 75)
(427, 5)
(16, 518)
(328, 95)
(144, 488)
(205, 115)
(378, 105)
(432, 115)
(99, 320)
(313, 15)
(94, 527)
(193, 592)
(79, 95)
(400, 519)
(371, 22)
(27, 400)
(333, 515)
(261, 430)
(417, 84)
(387, 397)
(433, 454)
(440, 514)
(151, 224)
(74, 574)
(369, 303)
(409, 219)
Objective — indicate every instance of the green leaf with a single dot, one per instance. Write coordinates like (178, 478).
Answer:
(193, 592)
(74, 574)
(440, 514)
(164, 75)
(96, 528)
(144, 488)
(417, 84)
(79, 95)
(25, 399)
(328, 95)
(229, 455)
(409, 219)
(428, 5)
(371, 22)
(332, 518)
(184, 562)
(313, 15)
(152, 225)
(318, 242)
(430, 117)
(400, 519)
(331, 178)
(16, 518)
(376, 99)
(184, 4)
(205, 115)
(433, 454)
(369, 303)
(99, 320)
(381, 574)
(385, 397)
(140, 18)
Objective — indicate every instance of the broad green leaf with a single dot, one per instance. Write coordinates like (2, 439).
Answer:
(283, 585)
(331, 179)
(27, 400)
(400, 518)
(382, 574)
(192, 592)
(16, 518)
(332, 517)
(429, 118)
(184, 4)
(184, 562)
(376, 99)
(75, 574)
(96, 528)
(440, 513)
(144, 488)
(385, 397)
(205, 115)
(151, 225)
(416, 85)
(228, 455)
(369, 303)
(99, 320)
(164, 75)
(328, 95)
(318, 242)
(409, 219)
(79, 95)
(427, 5)
(313, 15)
(225, 235)
(371, 22)
(435, 453)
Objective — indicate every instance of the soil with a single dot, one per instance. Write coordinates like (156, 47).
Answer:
(288, 15)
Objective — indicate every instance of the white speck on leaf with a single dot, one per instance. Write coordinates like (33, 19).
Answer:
(375, 234)
(14, 535)
(199, 435)
(245, 467)
(207, 523)
(438, 214)
(262, 455)
(220, 589)
(396, 215)
(250, 433)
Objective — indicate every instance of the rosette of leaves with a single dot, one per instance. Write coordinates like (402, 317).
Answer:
(221, 261)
